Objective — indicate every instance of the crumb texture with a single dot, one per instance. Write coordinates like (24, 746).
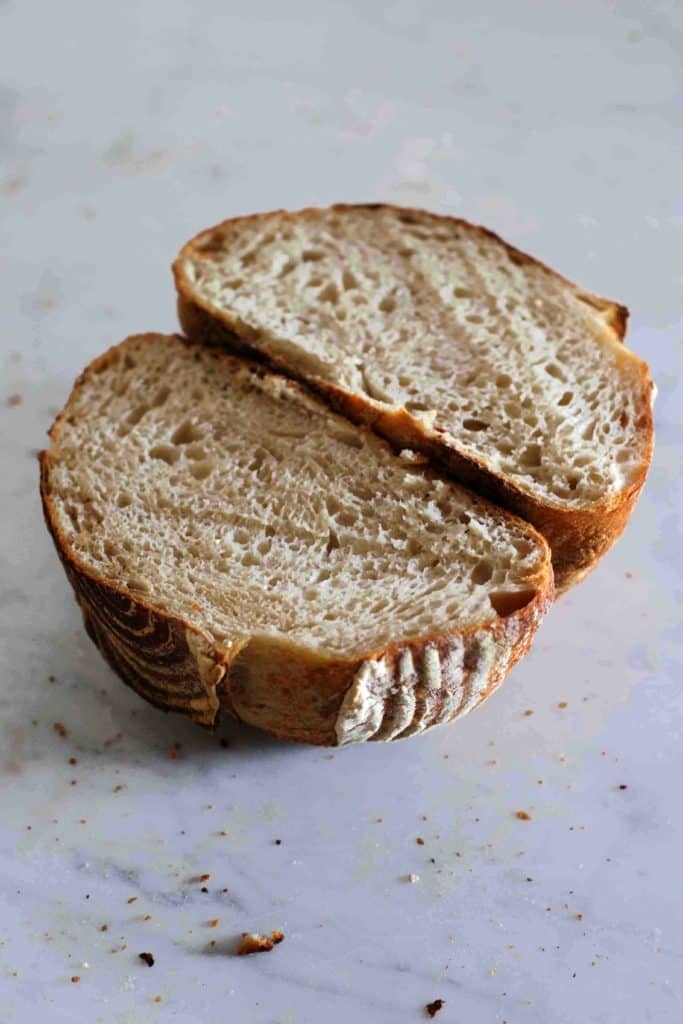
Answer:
(229, 498)
(517, 367)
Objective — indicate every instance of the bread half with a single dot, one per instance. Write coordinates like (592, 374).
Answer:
(235, 546)
(445, 340)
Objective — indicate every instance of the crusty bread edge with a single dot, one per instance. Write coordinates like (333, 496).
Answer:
(290, 691)
(579, 537)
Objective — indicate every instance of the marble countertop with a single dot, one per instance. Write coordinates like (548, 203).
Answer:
(124, 128)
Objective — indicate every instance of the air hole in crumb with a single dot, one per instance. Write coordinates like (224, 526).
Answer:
(195, 451)
(573, 480)
(330, 293)
(474, 318)
(286, 268)
(161, 396)
(506, 602)
(349, 279)
(311, 255)
(200, 470)
(124, 500)
(474, 424)
(553, 370)
(482, 572)
(332, 541)
(136, 414)
(462, 293)
(166, 452)
(503, 380)
(531, 455)
(186, 433)
(566, 398)
(587, 434)
(388, 304)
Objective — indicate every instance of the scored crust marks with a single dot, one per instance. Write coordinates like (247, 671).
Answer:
(395, 699)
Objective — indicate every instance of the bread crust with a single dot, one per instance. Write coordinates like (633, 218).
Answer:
(578, 537)
(285, 688)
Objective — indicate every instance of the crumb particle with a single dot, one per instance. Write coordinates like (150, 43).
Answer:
(73, 760)
(147, 958)
(528, 713)
(522, 816)
(75, 978)
(434, 1007)
(420, 841)
(14, 399)
(214, 922)
(204, 878)
(60, 729)
(132, 899)
(623, 786)
(412, 878)
(255, 943)
(563, 704)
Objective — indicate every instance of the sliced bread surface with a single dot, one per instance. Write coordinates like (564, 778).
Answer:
(236, 546)
(448, 340)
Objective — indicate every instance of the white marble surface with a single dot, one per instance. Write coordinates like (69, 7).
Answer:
(124, 128)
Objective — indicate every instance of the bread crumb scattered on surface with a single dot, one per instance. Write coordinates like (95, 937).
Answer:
(434, 1007)
(60, 729)
(522, 815)
(420, 841)
(413, 878)
(75, 978)
(147, 958)
(255, 943)
(528, 712)
(14, 399)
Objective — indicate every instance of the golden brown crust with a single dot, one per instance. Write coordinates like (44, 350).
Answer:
(286, 689)
(579, 537)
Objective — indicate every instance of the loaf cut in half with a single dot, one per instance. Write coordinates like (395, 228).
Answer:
(446, 340)
(237, 546)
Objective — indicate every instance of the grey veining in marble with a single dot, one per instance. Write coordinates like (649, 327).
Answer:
(126, 127)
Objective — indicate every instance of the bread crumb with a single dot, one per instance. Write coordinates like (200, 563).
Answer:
(562, 704)
(214, 922)
(522, 815)
(204, 878)
(413, 878)
(132, 899)
(255, 943)
(420, 841)
(60, 729)
(147, 958)
(623, 786)
(14, 399)
(434, 1007)
(528, 712)
(73, 760)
